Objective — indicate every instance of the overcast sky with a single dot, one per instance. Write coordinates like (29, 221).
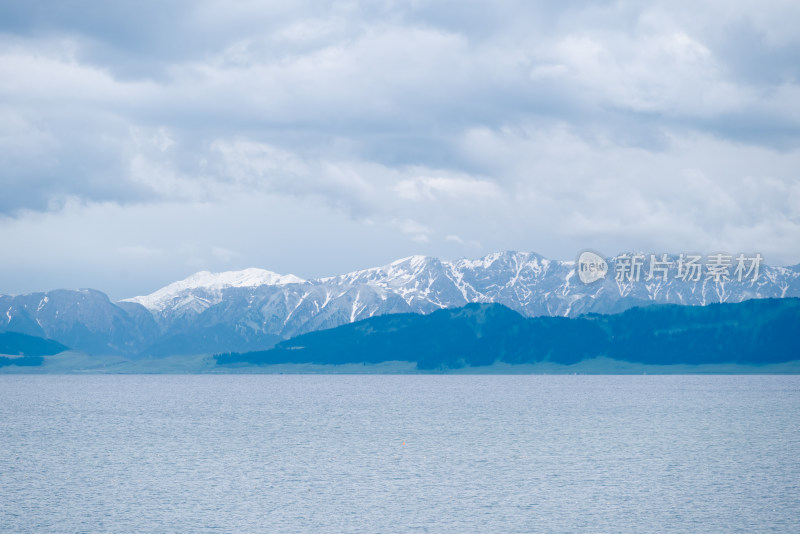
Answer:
(142, 141)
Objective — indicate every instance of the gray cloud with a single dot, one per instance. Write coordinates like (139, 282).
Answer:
(435, 126)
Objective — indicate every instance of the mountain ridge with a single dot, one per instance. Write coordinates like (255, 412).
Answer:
(255, 308)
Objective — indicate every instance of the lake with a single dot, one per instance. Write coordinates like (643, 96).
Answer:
(399, 453)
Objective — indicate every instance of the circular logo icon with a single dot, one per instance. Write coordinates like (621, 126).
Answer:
(591, 267)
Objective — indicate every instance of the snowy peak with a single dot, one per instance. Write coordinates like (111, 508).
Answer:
(202, 289)
(245, 278)
(398, 272)
(410, 262)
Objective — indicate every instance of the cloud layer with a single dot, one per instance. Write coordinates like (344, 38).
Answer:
(447, 128)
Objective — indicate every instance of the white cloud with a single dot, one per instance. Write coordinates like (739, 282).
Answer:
(698, 192)
(460, 241)
(438, 187)
(413, 229)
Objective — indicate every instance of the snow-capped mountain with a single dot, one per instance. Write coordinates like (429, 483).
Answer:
(204, 289)
(254, 308)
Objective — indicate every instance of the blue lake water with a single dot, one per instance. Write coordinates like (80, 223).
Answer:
(330, 453)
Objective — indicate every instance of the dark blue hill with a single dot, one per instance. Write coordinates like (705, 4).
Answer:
(26, 350)
(751, 332)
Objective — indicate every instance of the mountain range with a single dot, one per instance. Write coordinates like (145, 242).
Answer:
(254, 309)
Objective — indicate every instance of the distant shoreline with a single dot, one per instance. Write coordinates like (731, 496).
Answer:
(78, 363)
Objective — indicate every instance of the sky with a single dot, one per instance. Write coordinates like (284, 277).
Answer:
(142, 141)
